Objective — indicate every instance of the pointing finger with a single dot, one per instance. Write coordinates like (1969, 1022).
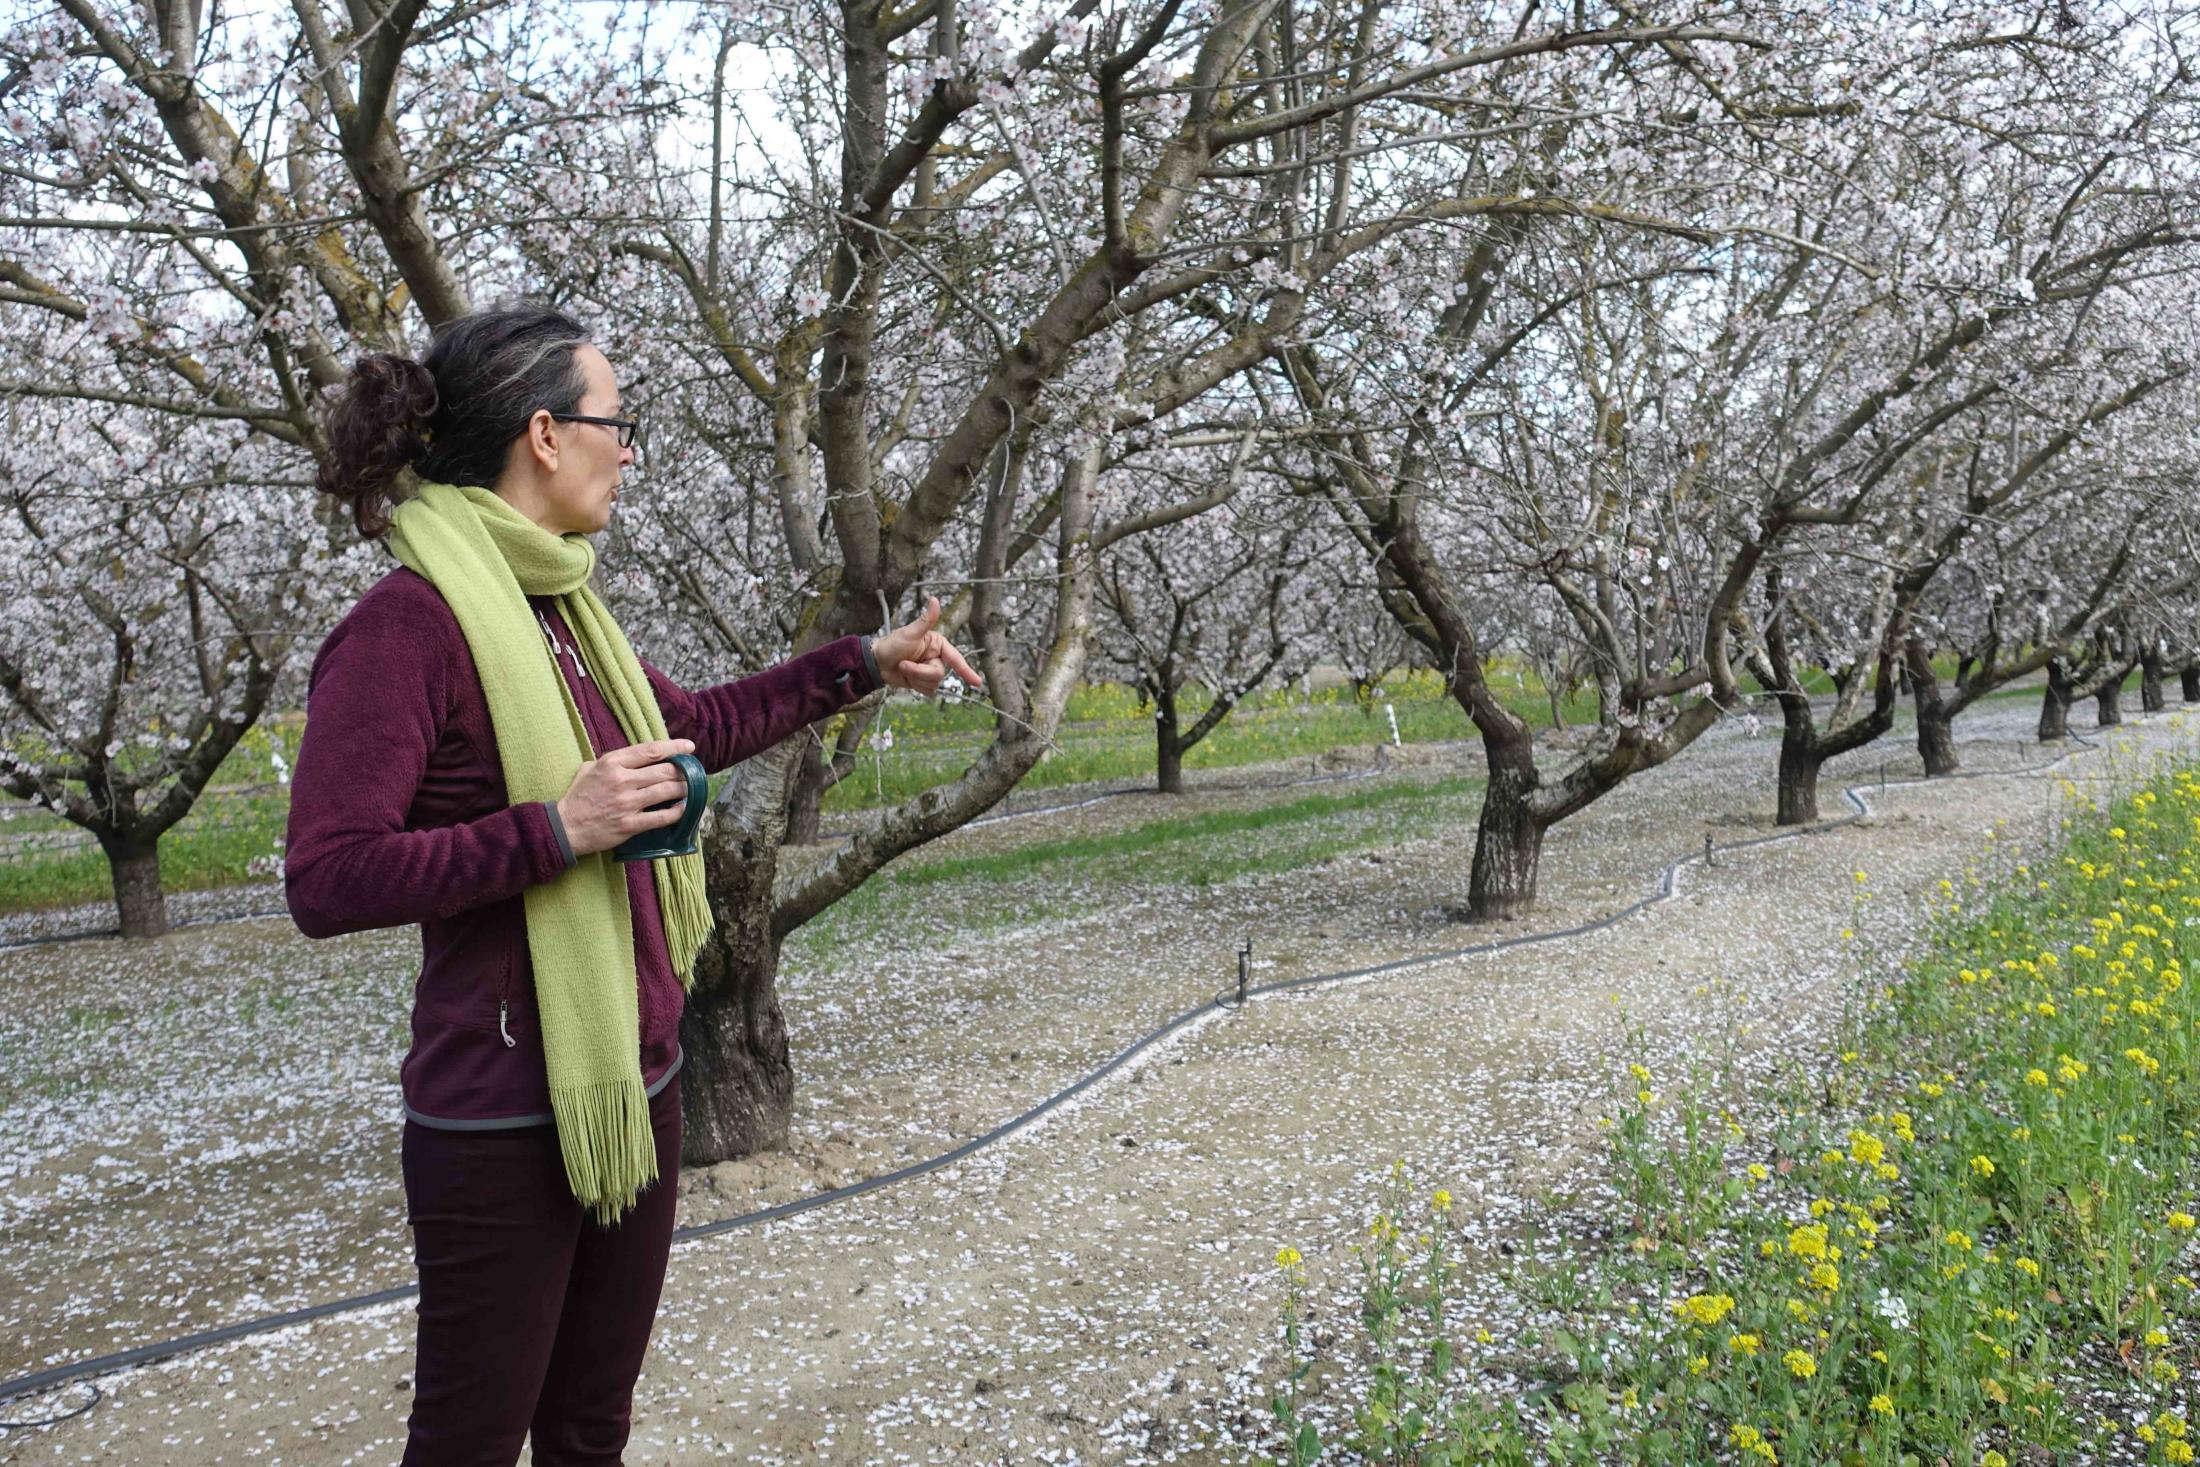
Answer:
(960, 666)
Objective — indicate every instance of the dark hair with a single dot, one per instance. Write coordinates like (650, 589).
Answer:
(451, 416)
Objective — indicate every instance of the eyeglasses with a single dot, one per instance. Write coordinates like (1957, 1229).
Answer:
(627, 427)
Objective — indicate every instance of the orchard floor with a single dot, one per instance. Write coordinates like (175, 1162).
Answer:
(202, 1129)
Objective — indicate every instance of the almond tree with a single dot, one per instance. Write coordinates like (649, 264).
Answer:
(202, 219)
(1944, 551)
(1562, 660)
(1224, 601)
(1803, 627)
(1358, 634)
(999, 261)
(1678, 379)
(143, 628)
(2063, 515)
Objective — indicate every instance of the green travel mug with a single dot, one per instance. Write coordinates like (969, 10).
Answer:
(678, 838)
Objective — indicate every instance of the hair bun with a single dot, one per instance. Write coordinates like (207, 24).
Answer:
(377, 429)
(453, 414)
(410, 390)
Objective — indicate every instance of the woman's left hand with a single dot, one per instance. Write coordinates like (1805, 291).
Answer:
(918, 658)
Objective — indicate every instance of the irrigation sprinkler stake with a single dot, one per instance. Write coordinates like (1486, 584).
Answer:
(1245, 969)
(1707, 850)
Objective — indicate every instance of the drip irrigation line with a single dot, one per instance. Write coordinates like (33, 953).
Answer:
(1225, 1002)
(97, 1396)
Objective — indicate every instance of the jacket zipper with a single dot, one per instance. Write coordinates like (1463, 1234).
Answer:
(504, 1004)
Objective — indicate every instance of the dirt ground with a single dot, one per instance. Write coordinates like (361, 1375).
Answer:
(1097, 1288)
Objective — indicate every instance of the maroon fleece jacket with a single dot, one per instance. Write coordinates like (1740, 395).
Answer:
(398, 815)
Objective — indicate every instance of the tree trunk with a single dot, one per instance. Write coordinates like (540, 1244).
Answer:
(737, 1080)
(1168, 745)
(1508, 840)
(806, 801)
(2150, 683)
(1800, 756)
(2110, 703)
(2055, 705)
(1799, 765)
(1936, 739)
(140, 903)
(2190, 679)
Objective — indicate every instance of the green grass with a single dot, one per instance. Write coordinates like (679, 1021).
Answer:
(1107, 738)
(1180, 850)
(1122, 751)
(213, 846)
(1060, 878)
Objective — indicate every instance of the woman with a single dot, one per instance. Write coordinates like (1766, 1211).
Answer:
(479, 735)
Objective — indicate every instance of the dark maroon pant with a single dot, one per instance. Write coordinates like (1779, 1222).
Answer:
(532, 1318)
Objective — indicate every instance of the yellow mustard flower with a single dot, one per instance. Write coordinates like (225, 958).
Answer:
(1808, 1241)
(1704, 1309)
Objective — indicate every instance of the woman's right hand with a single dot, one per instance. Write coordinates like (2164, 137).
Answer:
(611, 796)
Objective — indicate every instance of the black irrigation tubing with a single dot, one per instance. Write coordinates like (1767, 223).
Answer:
(60, 1375)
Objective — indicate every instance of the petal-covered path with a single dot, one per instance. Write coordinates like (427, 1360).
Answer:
(1102, 1287)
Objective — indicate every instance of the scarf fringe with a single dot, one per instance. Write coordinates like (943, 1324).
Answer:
(687, 914)
(609, 1148)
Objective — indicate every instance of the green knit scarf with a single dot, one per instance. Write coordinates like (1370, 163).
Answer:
(486, 558)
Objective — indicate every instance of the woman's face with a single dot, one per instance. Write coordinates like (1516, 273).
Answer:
(565, 475)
